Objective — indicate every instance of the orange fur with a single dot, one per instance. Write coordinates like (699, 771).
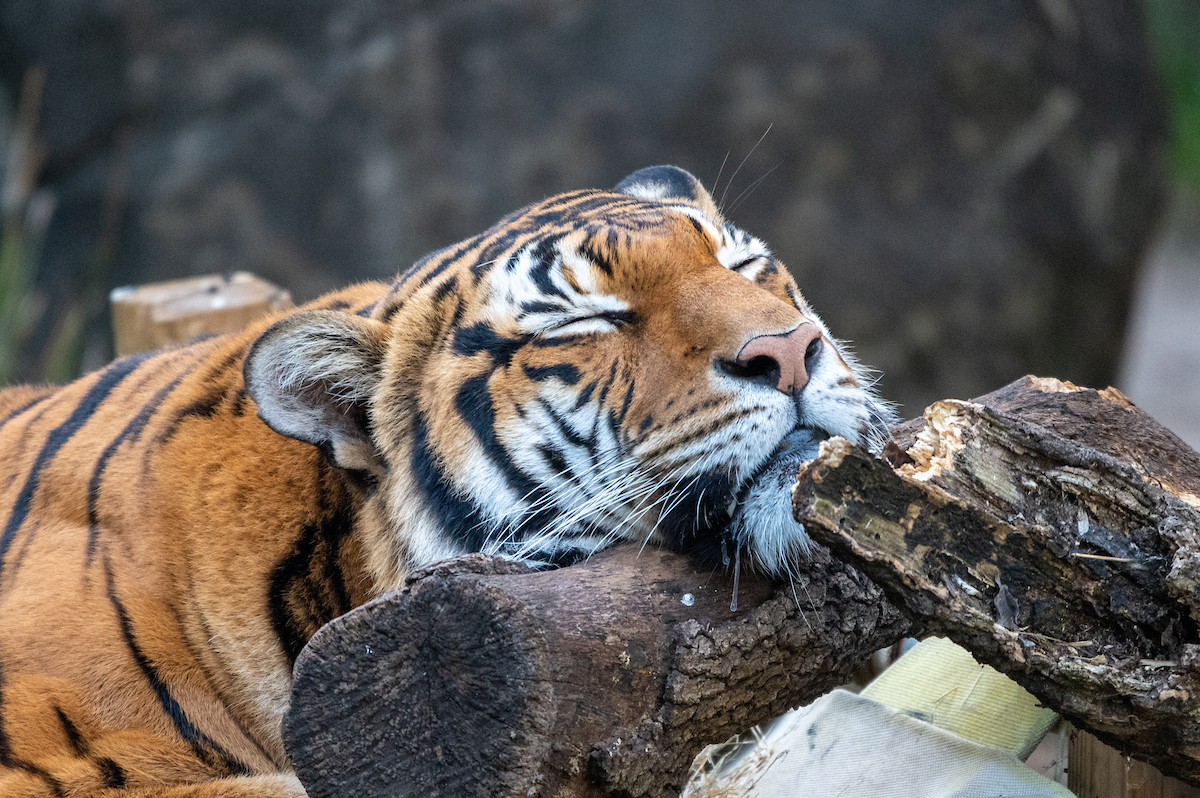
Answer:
(165, 553)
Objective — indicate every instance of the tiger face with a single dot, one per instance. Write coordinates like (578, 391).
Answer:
(599, 366)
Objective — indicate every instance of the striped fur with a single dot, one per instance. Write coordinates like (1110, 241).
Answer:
(179, 523)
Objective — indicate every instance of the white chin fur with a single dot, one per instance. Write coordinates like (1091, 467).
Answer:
(763, 521)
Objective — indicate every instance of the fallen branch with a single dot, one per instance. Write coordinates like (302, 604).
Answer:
(1051, 531)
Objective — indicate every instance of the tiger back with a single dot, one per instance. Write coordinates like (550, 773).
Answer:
(599, 366)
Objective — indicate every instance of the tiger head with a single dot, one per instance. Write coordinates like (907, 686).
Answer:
(598, 366)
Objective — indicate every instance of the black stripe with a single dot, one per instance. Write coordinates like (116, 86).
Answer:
(58, 437)
(545, 254)
(474, 404)
(572, 206)
(367, 310)
(626, 402)
(607, 386)
(546, 342)
(457, 516)
(585, 395)
(667, 447)
(10, 760)
(114, 774)
(564, 429)
(541, 307)
(445, 258)
(556, 462)
(566, 372)
(390, 309)
(493, 252)
(22, 408)
(482, 337)
(307, 589)
(588, 250)
(204, 747)
(217, 390)
(443, 290)
(34, 420)
(74, 738)
(133, 430)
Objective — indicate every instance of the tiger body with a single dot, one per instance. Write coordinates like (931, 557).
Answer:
(180, 523)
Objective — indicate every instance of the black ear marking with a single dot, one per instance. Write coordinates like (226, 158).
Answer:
(662, 182)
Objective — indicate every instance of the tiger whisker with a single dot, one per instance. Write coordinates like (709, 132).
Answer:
(750, 188)
(721, 204)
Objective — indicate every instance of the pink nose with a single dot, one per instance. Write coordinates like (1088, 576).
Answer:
(789, 356)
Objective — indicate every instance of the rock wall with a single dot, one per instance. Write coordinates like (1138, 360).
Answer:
(962, 187)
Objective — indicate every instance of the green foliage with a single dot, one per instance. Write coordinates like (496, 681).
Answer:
(1174, 29)
(25, 212)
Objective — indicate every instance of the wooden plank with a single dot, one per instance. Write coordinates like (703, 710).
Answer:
(151, 316)
(1095, 770)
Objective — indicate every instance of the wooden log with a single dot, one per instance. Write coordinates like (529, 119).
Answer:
(601, 679)
(147, 317)
(1051, 531)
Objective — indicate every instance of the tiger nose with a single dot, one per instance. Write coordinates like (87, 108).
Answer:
(784, 361)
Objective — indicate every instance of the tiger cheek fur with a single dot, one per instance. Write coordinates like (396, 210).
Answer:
(601, 365)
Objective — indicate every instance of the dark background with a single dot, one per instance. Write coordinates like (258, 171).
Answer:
(963, 188)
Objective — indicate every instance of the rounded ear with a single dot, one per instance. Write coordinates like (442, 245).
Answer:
(313, 374)
(668, 182)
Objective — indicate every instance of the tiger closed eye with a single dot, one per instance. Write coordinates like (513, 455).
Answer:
(745, 263)
(599, 322)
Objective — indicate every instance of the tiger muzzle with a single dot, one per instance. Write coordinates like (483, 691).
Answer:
(783, 361)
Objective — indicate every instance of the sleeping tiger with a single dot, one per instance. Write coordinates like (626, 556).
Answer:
(598, 366)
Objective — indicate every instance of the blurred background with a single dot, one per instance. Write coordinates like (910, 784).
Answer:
(969, 190)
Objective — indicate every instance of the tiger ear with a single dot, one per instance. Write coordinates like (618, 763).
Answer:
(668, 182)
(313, 374)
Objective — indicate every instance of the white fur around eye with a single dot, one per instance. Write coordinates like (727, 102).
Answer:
(580, 315)
(583, 326)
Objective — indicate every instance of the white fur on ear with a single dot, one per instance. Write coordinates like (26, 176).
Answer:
(668, 182)
(313, 374)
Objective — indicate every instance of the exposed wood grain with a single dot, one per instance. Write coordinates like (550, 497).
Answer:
(1051, 531)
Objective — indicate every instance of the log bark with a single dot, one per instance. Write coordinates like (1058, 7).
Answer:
(1054, 533)
(602, 679)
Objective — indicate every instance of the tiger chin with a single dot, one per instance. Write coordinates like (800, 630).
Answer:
(599, 366)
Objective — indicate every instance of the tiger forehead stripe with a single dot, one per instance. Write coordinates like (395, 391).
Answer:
(700, 221)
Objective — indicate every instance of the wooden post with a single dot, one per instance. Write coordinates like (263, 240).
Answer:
(150, 316)
(1095, 770)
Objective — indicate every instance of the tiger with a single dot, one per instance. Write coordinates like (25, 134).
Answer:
(599, 366)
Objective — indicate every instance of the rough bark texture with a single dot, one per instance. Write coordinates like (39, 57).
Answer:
(1053, 532)
(602, 679)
